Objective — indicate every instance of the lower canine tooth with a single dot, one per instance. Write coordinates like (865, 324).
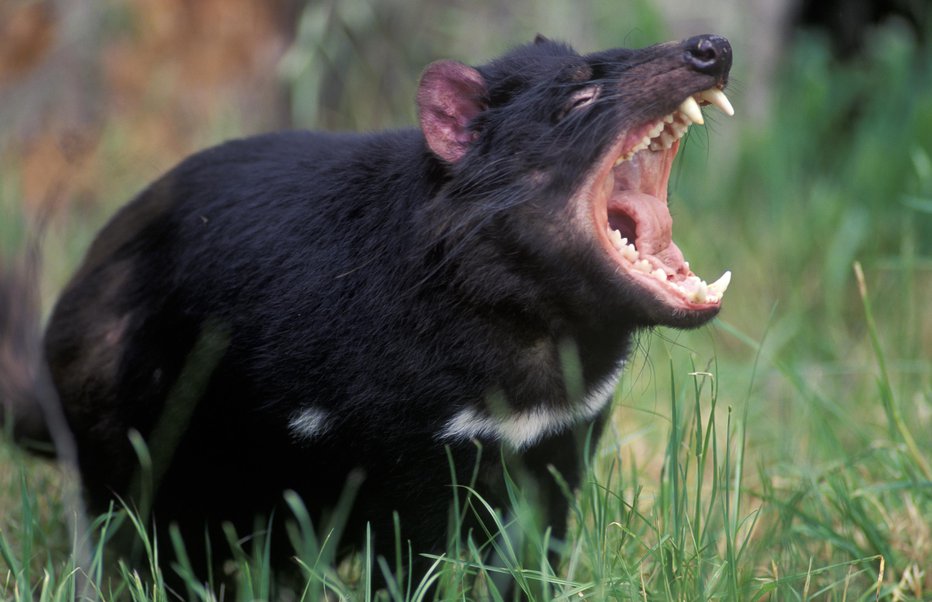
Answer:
(719, 287)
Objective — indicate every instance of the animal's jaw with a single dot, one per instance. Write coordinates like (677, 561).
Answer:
(625, 203)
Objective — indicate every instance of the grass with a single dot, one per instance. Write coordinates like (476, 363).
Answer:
(781, 454)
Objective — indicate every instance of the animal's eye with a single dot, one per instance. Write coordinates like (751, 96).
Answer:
(583, 97)
(579, 99)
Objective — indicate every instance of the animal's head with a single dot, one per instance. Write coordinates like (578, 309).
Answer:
(567, 157)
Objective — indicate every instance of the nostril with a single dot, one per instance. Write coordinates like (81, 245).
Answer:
(704, 52)
(708, 54)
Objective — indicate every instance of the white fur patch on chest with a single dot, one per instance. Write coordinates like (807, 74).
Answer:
(524, 428)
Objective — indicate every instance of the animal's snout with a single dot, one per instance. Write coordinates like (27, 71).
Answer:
(709, 54)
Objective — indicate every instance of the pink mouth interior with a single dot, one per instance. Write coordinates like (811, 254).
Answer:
(638, 207)
(631, 208)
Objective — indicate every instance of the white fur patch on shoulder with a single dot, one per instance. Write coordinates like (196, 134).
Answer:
(308, 423)
(522, 429)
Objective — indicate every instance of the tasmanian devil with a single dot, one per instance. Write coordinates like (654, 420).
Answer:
(283, 311)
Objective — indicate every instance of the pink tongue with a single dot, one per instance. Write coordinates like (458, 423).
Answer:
(653, 223)
(653, 226)
(639, 199)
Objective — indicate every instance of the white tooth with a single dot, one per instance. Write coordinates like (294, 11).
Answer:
(718, 98)
(679, 129)
(700, 295)
(719, 287)
(690, 108)
(658, 127)
(667, 140)
(644, 142)
(668, 118)
(656, 146)
(616, 239)
(624, 241)
(660, 275)
(629, 253)
(642, 265)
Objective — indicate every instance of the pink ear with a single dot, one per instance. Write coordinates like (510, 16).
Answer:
(449, 96)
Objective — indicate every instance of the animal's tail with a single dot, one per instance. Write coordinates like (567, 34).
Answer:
(25, 386)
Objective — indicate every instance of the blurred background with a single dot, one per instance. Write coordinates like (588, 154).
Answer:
(827, 161)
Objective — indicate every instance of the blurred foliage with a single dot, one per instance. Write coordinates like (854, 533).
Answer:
(838, 171)
(355, 65)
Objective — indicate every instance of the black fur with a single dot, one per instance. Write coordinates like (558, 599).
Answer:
(389, 281)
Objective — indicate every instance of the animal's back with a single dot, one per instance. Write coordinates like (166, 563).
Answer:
(231, 313)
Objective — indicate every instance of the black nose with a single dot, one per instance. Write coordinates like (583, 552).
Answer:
(709, 54)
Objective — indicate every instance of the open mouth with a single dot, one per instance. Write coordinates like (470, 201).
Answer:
(631, 215)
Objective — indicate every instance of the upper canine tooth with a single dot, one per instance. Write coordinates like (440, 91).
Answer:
(718, 98)
(690, 108)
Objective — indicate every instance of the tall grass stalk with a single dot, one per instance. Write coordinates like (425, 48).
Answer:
(890, 404)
